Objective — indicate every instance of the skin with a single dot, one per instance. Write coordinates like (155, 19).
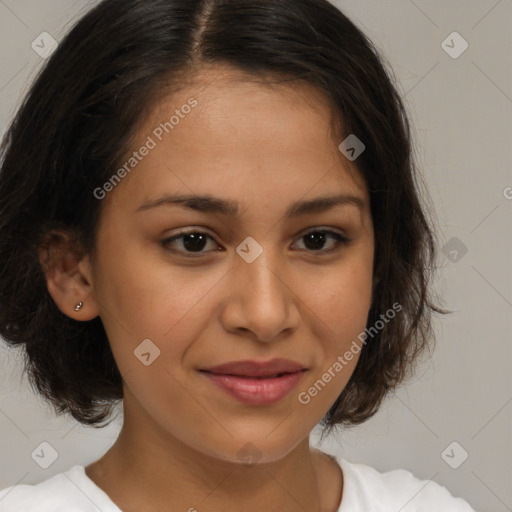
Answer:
(265, 147)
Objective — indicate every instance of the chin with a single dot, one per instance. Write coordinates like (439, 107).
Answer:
(256, 450)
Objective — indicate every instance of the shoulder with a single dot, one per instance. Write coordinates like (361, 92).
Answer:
(70, 491)
(367, 489)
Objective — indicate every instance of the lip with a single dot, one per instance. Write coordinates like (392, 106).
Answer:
(256, 391)
(250, 368)
(254, 382)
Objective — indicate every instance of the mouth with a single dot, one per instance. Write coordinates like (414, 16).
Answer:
(256, 383)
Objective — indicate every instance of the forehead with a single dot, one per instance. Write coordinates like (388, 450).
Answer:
(225, 127)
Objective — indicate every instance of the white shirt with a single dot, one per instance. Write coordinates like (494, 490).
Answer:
(365, 490)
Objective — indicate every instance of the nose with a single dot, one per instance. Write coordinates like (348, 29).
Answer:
(261, 299)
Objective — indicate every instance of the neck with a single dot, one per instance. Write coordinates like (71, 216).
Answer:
(147, 469)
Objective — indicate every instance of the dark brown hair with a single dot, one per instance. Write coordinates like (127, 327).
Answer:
(80, 116)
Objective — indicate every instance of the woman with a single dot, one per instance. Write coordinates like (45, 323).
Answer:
(221, 227)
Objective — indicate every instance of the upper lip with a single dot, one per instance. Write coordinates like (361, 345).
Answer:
(249, 368)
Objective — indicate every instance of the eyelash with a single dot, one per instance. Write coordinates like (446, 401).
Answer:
(340, 239)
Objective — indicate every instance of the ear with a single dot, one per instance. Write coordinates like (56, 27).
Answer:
(69, 276)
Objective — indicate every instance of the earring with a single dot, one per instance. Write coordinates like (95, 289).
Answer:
(78, 307)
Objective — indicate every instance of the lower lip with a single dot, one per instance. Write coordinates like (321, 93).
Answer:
(256, 391)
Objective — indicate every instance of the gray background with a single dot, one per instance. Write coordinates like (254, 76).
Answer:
(462, 112)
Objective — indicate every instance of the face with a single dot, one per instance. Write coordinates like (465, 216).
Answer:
(205, 285)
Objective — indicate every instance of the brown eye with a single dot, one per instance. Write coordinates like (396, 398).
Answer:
(316, 240)
(189, 242)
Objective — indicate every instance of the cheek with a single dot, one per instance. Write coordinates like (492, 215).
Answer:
(147, 300)
(140, 280)
(344, 301)
(342, 307)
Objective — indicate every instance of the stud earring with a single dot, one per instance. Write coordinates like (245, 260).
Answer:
(78, 307)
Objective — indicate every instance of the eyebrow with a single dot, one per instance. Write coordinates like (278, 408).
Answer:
(209, 204)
